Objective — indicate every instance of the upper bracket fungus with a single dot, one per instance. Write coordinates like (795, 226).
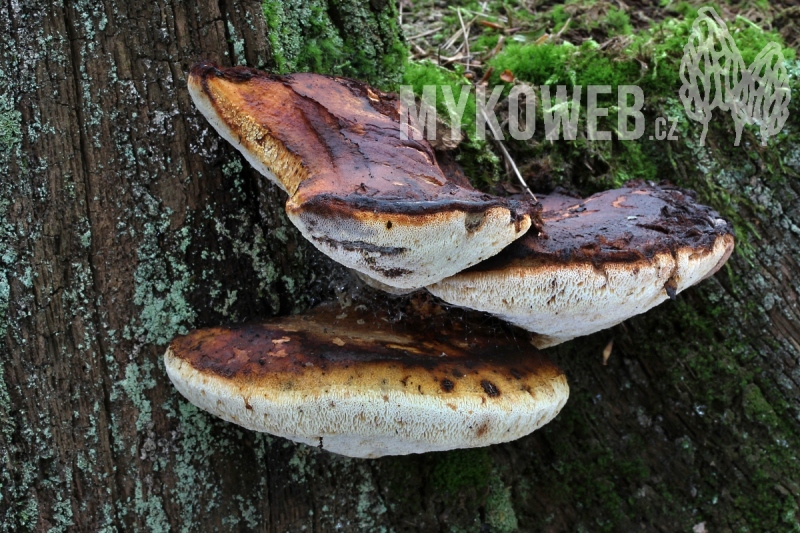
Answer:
(599, 262)
(359, 192)
(362, 385)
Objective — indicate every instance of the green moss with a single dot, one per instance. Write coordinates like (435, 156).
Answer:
(485, 42)
(660, 48)
(723, 368)
(419, 74)
(559, 17)
(599, 165)
(756, 407)
(460, 469)
(345, 38)
(600, 476)
(618, 22)
(597, 18)
(477, 160)
(500, 515)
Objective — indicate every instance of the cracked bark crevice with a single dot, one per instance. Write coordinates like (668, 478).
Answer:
(112, 471)
(223, 9)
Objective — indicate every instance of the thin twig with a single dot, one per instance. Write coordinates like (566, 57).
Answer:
(452, 39)
(473, 64)
(419, 52)
(497, 138)
(499, 46)
(453, 59)
(424, 34)
(564, 27)
(466, 35)
(482, 14)
(507, 156)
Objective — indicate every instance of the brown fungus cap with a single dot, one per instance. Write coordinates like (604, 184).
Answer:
(362, 195)
(362, 385)
(600, 261)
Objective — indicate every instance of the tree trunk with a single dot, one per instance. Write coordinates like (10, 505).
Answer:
(126, 221)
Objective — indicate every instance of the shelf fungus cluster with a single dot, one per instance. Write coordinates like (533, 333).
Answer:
(363, 384)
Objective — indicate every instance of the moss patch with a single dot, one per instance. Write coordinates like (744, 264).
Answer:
(474, 154)
(500, 514)
(460, 469)
(348, 38)
(651, 60)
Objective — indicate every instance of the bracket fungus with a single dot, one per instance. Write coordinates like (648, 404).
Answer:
(359, 192)
(599, 262)
(362, 385)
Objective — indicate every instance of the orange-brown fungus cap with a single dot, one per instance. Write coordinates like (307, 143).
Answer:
(358, 191)
(359, 384)
(600, 261)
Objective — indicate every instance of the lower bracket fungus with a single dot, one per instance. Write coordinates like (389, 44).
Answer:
(362, 385)
(600, 261)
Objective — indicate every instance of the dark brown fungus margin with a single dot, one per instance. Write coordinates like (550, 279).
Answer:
(359, 384)
(359, 192)
(600, 261)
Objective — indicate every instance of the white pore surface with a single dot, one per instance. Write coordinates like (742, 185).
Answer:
(433, 247)
(204, 105)
(363, 423)
(563, 302)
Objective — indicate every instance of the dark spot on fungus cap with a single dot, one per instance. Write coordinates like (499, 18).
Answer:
(447, 385)
(490, 388)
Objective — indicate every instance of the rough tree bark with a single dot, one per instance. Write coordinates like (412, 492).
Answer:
(126, 220)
